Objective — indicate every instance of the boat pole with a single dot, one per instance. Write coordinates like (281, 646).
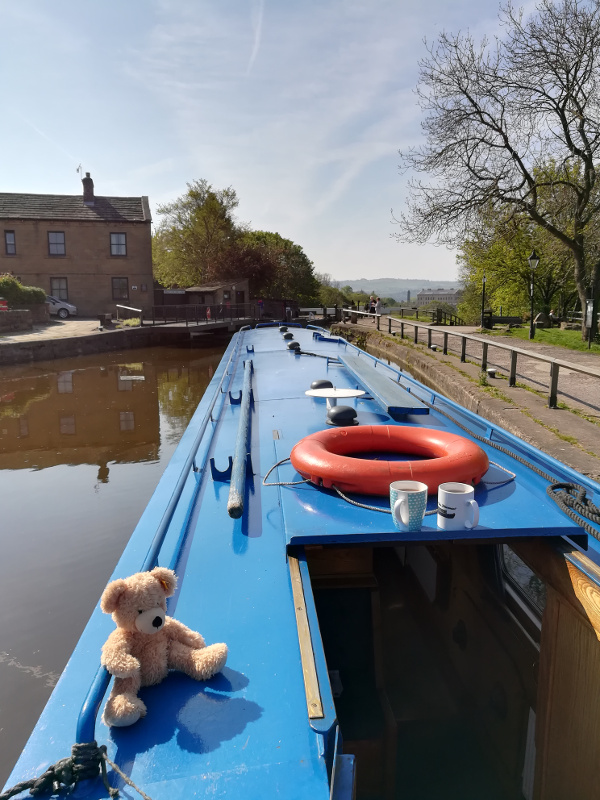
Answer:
(237, 488)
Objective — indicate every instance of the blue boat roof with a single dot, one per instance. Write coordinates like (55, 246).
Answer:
(246, 732)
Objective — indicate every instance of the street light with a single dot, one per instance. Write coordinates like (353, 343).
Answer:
(483, 300)
(533, 262)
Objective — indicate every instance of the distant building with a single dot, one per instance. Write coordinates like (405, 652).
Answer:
(220, 296)
(451, 296)
(408, 296)
(94, 252)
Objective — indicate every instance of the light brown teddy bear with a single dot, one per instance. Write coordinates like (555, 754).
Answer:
(147, 643)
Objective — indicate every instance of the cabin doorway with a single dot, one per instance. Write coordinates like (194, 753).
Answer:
(433, 676)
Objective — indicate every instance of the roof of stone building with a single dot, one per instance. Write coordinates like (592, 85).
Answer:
(72, 207)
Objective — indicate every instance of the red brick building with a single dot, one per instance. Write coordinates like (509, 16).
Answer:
(94, 252)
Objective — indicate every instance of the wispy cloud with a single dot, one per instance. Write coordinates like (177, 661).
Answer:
(257, 22)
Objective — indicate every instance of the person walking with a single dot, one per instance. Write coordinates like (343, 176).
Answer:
(378, 306)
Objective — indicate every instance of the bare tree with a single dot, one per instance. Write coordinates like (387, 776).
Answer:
(514, 125)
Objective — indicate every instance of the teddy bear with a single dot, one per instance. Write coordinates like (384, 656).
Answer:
(147, 643)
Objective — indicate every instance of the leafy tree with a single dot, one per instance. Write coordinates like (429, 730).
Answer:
(500, 251)
(274, 266)
(199, 241)
(195, 236)
(330, 296)
(513, 126)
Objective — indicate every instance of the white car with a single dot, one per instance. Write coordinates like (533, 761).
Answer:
(61, 308)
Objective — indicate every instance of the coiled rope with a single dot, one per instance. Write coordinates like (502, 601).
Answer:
(383, 510)
(569, 497)
(84, 763)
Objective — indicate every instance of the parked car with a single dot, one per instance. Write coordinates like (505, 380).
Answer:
(60, 307)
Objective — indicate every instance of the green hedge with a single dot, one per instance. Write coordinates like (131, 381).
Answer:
(18, 295)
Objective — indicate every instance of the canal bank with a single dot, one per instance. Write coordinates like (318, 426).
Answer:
(569, 434)
(71, 338)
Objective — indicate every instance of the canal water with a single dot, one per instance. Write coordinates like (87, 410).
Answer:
(83, 443)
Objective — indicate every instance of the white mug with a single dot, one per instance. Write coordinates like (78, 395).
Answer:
(457, 508)
(408, 501)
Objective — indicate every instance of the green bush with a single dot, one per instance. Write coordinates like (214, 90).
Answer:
(17, 295)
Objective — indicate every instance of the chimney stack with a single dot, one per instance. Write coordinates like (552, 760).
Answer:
(88, 190)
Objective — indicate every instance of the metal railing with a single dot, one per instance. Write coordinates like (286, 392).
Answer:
(200, 314)
(427, 332)
(437, 316)
(137, 311)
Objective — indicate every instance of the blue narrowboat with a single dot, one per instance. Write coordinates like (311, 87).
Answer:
(367, 658)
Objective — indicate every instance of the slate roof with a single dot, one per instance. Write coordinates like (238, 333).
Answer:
(72, 207)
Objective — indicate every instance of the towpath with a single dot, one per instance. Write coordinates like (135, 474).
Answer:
(574, 388)
(570, 433)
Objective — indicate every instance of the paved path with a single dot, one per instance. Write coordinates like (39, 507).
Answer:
(55, 329)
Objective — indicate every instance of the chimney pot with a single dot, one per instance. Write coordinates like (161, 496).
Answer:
(88, 190)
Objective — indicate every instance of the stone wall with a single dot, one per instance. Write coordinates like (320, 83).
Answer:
(123, 339)
(16, 320)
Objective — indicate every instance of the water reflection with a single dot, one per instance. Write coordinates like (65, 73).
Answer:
(83, 443)
(98, 413)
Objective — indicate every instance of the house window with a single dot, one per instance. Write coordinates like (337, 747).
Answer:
(10, 243)
(120, 289)
(67, 425)
(59, 288)
(126, 421)
(65, 382)
(118, 244)
(56, 243)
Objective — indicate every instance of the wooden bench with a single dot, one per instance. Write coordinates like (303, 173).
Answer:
(395, 399)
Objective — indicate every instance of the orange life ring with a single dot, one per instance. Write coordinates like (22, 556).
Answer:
(325, 458)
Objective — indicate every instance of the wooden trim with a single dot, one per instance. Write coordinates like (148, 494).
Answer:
(314, 703)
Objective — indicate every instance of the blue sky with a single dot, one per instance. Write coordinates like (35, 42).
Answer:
(300, 106)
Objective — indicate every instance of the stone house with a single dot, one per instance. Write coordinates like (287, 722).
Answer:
(94, 252)
(451, 296)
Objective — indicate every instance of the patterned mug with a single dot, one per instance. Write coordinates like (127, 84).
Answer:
(408, 501)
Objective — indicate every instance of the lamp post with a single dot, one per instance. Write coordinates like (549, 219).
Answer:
(483, 300)
(533, 262)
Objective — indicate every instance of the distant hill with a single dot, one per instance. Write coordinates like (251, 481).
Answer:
(396, 287)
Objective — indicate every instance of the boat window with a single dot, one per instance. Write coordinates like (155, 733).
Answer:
(525, 592)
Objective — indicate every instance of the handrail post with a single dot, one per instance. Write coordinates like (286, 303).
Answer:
(484, 356)
(389, 324)
(463, 349)
(445, 343)
(554, 368)
(402, 329)
(416, 333)
(512, 375)
(429, 338)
